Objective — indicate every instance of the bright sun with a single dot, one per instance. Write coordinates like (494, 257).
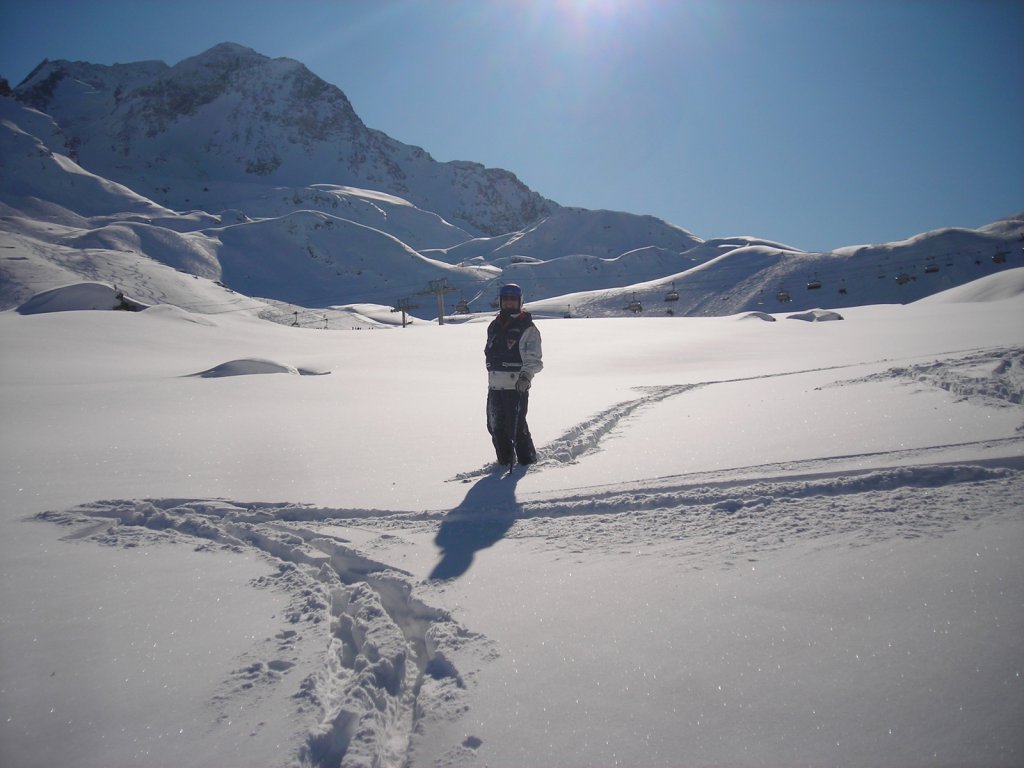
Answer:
(594, 9)
(596, 19)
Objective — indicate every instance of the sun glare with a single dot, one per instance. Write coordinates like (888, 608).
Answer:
(592, 7)
(596, 22)
(590, 14)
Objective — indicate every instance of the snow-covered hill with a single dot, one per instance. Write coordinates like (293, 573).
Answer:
(746, 543)
(212, 167)
(749, 275)
(343, 261)
(199, 133)
(213, 176)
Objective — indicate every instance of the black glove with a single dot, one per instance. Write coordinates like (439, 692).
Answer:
(523, 383)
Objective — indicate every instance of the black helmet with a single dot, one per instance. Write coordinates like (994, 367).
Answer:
(513, 290)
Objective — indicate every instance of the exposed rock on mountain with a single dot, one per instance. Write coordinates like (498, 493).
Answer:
(198, 133)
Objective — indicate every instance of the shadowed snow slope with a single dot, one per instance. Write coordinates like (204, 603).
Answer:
(1005, 285)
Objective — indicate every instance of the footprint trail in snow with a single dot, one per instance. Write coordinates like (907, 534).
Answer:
(394, 667)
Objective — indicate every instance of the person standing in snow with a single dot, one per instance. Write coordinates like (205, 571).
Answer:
(513, 357)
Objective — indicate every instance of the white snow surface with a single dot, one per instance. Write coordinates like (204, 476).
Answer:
(744, 543)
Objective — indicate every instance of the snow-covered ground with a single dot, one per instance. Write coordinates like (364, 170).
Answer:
(747, 543)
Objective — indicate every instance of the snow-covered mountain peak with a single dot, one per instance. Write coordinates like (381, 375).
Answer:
(223, 55)
(43, 86)
(277, 90)
(109, 167)
(230, 115)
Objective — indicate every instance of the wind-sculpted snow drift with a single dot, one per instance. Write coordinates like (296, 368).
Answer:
(255, 366)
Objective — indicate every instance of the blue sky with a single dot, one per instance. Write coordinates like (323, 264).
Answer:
(815, 123)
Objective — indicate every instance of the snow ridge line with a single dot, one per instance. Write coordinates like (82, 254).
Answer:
(720, 523)
(387, 666)
(816, 468)
(777, 490)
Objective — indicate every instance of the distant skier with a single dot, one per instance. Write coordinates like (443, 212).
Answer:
(513, 358)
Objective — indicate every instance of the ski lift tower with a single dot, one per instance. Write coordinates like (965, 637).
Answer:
(439, 288)
(403, 306)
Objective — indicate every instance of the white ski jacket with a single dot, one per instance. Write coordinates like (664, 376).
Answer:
(503, 375)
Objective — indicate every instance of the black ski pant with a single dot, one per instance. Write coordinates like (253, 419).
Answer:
(506, 421)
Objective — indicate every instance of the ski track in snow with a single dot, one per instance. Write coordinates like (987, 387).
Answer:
(989, 375)
(993, 376)
(388, 670)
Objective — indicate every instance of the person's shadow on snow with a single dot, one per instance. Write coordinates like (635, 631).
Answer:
(481, 520)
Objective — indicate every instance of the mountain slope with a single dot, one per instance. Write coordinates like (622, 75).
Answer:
(195, 133)
(747, 274)
(39, 175)
(325, 260)
(253, 173)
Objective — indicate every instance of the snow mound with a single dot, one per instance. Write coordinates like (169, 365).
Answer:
(997, 287)
(816, 315)
(79, 296)
(250, 366)
(757, 316)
